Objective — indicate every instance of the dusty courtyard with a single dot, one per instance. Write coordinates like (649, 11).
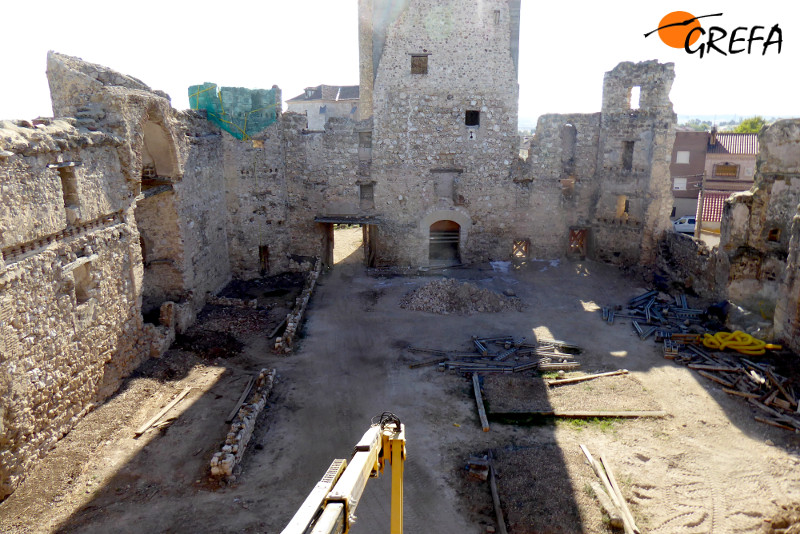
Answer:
(706, 467)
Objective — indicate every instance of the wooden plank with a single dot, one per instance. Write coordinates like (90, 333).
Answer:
(241, 400)
(594, 413)
(704, 367)
(626, 512)
(476, 385)
(716, 379)
(558, 382)
(779, 385)
(614, 515)
(741, 393)
(498, 511)
(423, 363)
(598, 470)
(277, 328)
(142, 429)
(772, 423)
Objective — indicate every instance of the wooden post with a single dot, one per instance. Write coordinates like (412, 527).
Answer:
(476, 385)
(142, 429)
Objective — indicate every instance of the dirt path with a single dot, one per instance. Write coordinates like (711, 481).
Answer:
(707, 467)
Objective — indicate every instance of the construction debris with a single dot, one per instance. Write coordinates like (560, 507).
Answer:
(492, 354)
(451, 296)
(757, 382)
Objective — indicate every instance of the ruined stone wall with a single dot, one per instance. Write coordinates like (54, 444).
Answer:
(634, 189)
(428, 162)
(70, 322)
(606, 172)
(690, 265)
(202, 209)
(557, 182)
(105, 216)
(758, 241)
(255, 186)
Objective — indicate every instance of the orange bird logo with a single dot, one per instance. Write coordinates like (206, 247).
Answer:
(676, 26)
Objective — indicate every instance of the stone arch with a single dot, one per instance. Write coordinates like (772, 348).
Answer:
(156, 214)
(457, 217)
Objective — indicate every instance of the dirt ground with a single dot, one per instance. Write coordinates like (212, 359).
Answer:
(706, 467)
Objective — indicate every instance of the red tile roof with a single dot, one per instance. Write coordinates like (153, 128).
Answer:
(734, 143)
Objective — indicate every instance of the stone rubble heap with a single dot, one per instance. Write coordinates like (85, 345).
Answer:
(450, 296)
(294, 318)
(223, 462)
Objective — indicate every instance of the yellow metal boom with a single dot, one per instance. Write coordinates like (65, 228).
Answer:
(331, 505)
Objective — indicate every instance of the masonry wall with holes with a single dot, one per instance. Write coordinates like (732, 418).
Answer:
(112, 233)
(70, 325)
(444, 142)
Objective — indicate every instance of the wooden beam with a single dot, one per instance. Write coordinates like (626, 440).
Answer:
(498, 511)
(142, 429)
(558, 382)
(579, 414)
(627, 516)
(241, 400)
(601, 474)
(716, 379)
(476, 385)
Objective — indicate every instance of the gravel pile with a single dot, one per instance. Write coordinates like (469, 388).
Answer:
(450, 296)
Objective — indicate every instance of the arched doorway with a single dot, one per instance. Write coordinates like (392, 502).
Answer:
(156, 217)
(444, 241)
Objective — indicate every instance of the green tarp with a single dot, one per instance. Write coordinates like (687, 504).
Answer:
(240, 112)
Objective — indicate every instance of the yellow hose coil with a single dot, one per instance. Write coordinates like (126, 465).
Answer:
(738, 341)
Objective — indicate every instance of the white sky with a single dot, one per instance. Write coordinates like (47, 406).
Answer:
(565, 48)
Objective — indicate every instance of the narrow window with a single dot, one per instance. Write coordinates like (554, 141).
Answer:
(774, 235)
(366, 196)
(521, 248)
(496, 17)
(69, 187)
(622, 206)
(634, 96)
(627, 155)
(83, 282)
(419, 64)
(263, 259)
(365, 139)
(472, 117)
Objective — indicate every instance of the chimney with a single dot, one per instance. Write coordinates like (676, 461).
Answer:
(713, 141)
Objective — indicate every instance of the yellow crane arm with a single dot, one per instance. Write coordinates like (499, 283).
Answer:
(331, 505)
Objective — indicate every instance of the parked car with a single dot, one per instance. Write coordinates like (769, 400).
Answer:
(685, 224)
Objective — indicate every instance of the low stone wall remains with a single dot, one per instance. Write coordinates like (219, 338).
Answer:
(223, 462)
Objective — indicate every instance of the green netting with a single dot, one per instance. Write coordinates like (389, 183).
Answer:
(240, 112)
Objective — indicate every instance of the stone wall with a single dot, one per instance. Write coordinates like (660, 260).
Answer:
(105, 216)
(759, 233)
(71, 325)
(444, 141)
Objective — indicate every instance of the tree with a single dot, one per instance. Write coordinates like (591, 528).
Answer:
(751, 125)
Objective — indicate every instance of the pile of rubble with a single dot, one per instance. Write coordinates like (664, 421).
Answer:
(450, 296)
